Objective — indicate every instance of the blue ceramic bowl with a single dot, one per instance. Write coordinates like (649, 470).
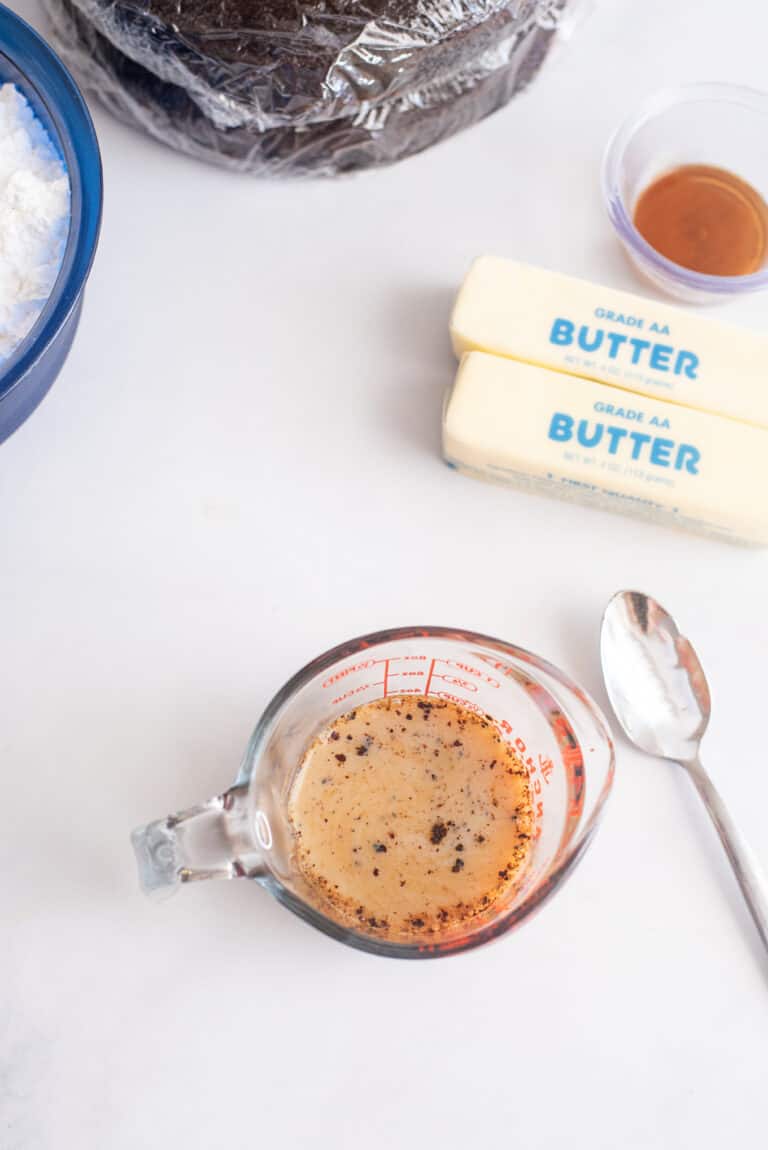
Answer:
(28, 62)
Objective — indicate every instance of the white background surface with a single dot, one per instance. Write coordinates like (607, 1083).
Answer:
(238, 468)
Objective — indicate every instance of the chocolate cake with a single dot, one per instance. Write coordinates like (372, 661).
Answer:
(283, 87)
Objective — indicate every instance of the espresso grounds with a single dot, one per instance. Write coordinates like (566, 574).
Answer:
(411, 816)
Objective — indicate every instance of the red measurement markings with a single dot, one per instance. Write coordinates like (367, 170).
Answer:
(356, 691)
(536, 772)
(398, 688)
(470, 670)
(465, 703)
(569, 747)
(499, 665)
(342, 674)
(572, 756)
(391, 673)
(453, 681)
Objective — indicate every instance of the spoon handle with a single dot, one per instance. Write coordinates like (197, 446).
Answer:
(751, 878)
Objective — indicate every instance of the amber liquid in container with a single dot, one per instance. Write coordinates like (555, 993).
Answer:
(706, 219)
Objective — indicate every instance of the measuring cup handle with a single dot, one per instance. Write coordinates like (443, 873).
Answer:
(211, 840)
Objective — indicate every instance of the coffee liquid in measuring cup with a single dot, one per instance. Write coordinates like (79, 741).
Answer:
(411, 816)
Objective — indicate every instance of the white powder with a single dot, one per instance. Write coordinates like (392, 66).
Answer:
(34, 217)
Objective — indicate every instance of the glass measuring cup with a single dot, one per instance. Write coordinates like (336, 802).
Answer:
(556, 729)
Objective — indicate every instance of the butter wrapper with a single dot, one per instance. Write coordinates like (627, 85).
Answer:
(546, 432)
(637, 344)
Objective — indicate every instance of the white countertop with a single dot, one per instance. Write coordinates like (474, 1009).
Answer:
(238, 468)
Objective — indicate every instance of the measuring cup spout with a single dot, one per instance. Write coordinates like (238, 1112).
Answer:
(211, 840)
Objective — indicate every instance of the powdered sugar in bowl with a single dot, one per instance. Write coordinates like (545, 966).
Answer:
(50, 211)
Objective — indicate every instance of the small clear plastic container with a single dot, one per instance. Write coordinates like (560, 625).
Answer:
(28, 62)
(722, 125)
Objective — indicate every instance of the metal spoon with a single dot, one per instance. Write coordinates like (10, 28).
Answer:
(660, 695)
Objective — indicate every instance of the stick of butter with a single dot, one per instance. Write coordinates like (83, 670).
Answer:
(571, 325)
(545, 431)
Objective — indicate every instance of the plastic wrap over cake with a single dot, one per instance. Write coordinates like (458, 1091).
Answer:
(291, 87)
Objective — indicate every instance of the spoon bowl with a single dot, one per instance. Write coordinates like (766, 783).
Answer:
(653, 677)
(660, 695)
